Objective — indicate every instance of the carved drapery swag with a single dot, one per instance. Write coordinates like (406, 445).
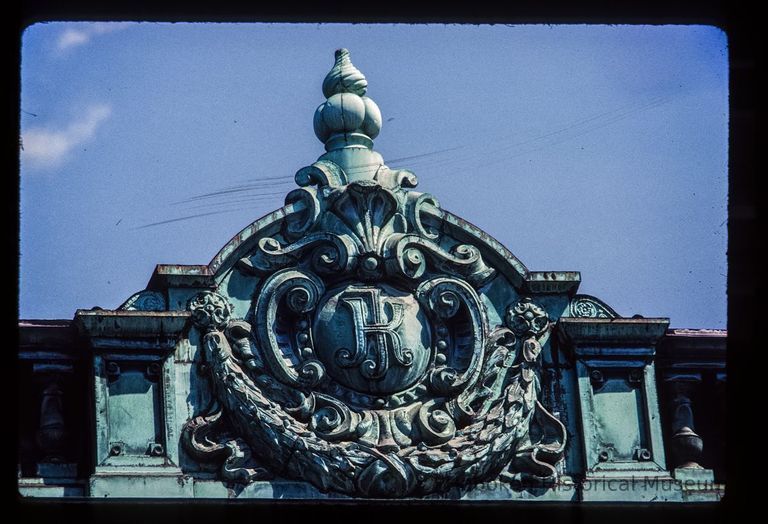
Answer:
(367, 364)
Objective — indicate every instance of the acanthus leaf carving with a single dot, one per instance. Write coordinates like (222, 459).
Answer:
(207, 438)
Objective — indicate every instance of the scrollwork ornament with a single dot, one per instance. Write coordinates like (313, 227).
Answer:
(413, 263)
(462, 422)
(328, 258)
(333, 420)
(207, 438)
(395, 179)
(444, 380)
(321, 173)
(366, 364)
(308, 209)
(318, 438)
(300, 299)
(300, 292)
(417, 202)
(445, 298)
(437, 426)
(311, 373)
(331, 253)
(446, 303)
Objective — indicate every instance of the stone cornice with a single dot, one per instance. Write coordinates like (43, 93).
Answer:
(693, 349)
(613, 331)
(127, 324)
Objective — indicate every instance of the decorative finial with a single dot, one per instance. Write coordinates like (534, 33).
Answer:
(344, 77)
(347, 118)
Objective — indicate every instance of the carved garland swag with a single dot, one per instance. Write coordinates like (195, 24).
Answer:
(366, 364)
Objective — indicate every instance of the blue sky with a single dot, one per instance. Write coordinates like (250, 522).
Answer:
(600, 149)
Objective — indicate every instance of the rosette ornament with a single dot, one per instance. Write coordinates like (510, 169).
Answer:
(347, 117)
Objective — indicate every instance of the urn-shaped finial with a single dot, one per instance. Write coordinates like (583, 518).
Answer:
(347, 118)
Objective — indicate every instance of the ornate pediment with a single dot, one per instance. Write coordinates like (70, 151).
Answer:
(377, 355)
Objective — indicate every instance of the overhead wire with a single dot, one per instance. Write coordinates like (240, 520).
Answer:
(455, 156)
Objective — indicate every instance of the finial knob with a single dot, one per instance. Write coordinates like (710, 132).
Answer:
(348, 117)
(344, 77)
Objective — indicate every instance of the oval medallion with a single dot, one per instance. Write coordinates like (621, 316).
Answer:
(374, 339)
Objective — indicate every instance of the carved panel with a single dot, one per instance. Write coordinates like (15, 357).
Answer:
(619, 416)
(145, 301)
(621, 429)
(135, 421)
(134, 400)
(367, 363)
(586, 306)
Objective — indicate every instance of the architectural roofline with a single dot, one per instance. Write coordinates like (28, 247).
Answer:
(205, 276)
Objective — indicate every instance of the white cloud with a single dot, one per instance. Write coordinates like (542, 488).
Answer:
(83, 33)
(72, 38)
(48, 148)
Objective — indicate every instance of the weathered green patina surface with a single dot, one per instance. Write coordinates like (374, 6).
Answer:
(361, 341)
